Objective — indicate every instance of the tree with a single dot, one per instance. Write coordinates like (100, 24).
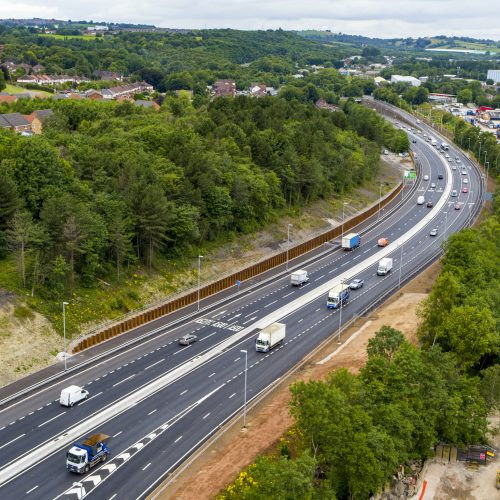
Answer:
(19, 235)
(385, 343)
(464, 96)
(3, 84)
(9, 199)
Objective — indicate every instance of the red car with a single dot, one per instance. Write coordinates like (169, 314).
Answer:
(430, 204)
(465, 189)
(457, 206)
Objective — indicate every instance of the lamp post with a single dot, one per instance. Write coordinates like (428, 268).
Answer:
(487, 165)
(343, 215)
(400, 266)
(199, 278)
(288, 243)
(64, 304)
(479, 156)
(445, 225)
(340, 316)
(244, 351)
(379, 200)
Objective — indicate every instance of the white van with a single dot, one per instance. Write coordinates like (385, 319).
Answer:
(72, 394)
(420, 200)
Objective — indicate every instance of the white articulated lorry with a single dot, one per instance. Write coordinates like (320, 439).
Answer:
(299, 278)
(384, 266)
(270, 336)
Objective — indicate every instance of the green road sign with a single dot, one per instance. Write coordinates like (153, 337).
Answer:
(410, 174)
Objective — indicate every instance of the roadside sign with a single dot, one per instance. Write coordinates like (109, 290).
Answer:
(410, 174)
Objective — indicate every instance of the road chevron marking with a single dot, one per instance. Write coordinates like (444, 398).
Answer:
(101, 474)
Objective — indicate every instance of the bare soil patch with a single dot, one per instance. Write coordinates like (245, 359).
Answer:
(27, 341)
(221, 462)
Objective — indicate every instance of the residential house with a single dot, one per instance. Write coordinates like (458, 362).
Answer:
(415, 82)
(94, 95)
(108, 75)
(322, 104)
(224, 88)
(37, 119)
(15, 121)
(147, 104)
(37, 68)
(7, 98)
(258, 91)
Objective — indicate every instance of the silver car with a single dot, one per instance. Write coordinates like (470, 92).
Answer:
(187, 339)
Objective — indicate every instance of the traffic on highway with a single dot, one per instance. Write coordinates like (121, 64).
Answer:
(157, 402)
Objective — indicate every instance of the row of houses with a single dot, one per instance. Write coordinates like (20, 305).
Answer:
(25, 124)
(42, 79)
(227, 88)
(122, 91)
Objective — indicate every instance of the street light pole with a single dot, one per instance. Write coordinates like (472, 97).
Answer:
(379, 200)
(288, 243)
(64, 304)
(445, 225)
(400, 266)
(245, 393)
(199, 278)
(340, 317)
(343, 206)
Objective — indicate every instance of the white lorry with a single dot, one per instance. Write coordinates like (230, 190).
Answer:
(299, 278)
(337, 296)
(384, 266)
(270, 336)
(72, 394)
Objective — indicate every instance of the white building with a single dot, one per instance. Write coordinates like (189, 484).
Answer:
(493, 74)
(406, 79)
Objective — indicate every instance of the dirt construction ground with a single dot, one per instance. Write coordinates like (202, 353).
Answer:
(220, 462)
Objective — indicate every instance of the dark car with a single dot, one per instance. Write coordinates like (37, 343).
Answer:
(440, 176)
(430, 204)
(355, 284)
(187, 339)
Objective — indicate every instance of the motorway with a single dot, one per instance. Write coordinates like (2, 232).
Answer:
(159, 401)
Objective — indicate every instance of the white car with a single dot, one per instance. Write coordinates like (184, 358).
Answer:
(426, 177)
(466, 181)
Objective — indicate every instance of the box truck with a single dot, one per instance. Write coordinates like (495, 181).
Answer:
(351, 241)
(384, 266)
(82, 456)
(72, 394)
(337, 295)
(299, 278)
(270, 336)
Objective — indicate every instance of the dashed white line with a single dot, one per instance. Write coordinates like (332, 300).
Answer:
(232, 395)
(150, 366)
(50, 419)
(271, 303)
(320, 277)
(151, 412)
(237, 359)
(117, 434)
(32, 489)
(12, 440)
(183, 392)
(256, 311)
(211, 375)
(204, 338)
(124, 380)
(146, 466)
(206, 416)
(178, 439)
(111, 497)
(300, 320)
(287, 295)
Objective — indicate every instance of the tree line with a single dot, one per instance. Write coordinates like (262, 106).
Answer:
(351, 432)
(108, 186)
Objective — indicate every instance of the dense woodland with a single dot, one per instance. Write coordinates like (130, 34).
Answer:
(108, 184)
(352, 432)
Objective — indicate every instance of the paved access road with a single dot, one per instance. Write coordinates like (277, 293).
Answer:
(160, 401)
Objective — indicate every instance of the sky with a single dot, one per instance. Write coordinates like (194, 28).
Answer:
(373, 18)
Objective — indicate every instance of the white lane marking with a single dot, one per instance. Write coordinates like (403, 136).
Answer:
(178, 439)
(206, 416)
(12, 440)
(213, 333)
(150, 366)
(32, 489)
(50, 419)
(249, 321)
(183, 392)
(234, 317)
(211, 375)
(237, 359)
(271, 303)
(288, 294)
(300, 320)
(151, 412)
(255, 312)
(320, 277)
(124, 380)
(218, 314)
(117, 434)
(332, 271)
(146, 466)
(1, 429)
(232, 395)
(111, 498)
